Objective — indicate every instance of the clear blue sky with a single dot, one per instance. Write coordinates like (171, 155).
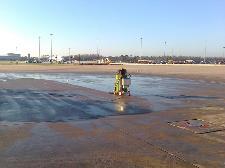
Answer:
(114, 26)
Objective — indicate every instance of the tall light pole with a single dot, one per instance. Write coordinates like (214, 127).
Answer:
(39, 40)
(205, 53)
(97, 53)
(223, 51)
(51, 46)
(79, 59)
(164, 49)
(141, 40)
(69, 56)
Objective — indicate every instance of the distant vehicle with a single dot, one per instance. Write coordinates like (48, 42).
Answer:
(162, 62)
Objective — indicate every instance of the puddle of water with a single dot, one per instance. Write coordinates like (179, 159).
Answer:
(44, 106)
(163, 93)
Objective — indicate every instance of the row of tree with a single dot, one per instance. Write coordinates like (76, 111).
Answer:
(135, 59)
(152, 59)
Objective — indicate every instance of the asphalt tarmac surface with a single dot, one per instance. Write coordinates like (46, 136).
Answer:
(50, 124)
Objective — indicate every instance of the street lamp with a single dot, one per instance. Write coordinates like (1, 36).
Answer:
(205, 54)
(223, 51)
(79, 59)
(51, 46)
(164, 49)
(39, 54)
(69, 56)
(141, 41)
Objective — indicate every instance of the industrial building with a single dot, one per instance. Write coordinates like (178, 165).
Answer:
(10, 57)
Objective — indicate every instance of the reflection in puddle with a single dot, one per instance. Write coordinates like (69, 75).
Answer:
(120, 106)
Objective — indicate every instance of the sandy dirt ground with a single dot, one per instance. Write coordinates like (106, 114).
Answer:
(205, 72)
(49, 124)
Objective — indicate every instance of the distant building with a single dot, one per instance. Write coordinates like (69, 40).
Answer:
(10, 57)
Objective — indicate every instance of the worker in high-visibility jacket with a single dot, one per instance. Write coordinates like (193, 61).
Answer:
(122, 82)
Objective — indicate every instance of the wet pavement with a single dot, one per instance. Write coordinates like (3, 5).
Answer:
(50, 124)
(26, 105)
(32, 105)
(164, 93)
